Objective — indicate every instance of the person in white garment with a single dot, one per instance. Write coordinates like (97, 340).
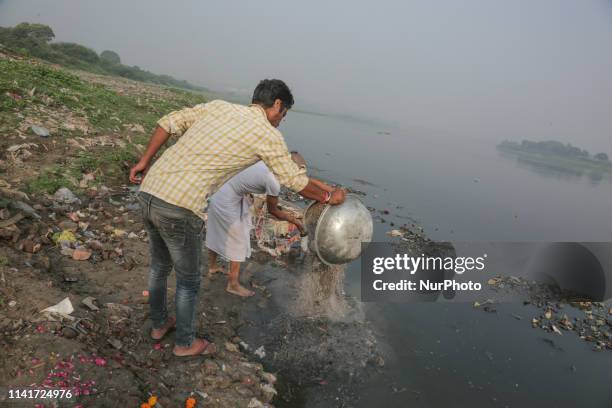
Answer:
(229, 218)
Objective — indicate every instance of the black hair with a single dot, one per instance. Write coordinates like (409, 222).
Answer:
(269, 90)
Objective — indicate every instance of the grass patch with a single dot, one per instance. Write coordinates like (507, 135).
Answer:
(49, 181)
(105, 109)
(110, 165)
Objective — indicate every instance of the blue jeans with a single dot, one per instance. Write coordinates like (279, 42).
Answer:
(175, 240)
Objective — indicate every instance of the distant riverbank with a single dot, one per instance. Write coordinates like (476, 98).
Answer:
(554, 155)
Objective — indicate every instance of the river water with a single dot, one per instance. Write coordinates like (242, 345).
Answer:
(459, 189)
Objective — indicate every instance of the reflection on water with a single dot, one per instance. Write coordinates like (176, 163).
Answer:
(557, 171)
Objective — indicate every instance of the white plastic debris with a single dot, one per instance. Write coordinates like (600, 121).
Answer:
(63, 308)
(304, 244)
(65, 196)
(40, 131)
(260, 352)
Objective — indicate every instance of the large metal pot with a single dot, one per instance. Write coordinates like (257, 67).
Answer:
(335, 233)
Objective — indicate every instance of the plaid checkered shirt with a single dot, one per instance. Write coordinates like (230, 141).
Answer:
(217, 140)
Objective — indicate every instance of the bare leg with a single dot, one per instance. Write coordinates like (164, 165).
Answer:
(233, 281)
(212, 264)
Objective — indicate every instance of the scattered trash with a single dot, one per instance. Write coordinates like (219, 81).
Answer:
(119, 233)
(40, 131)
(201, 394)
(12, 303)
(81, 254)
(90, 303)
(260, 352)
(255, 403)
(64, 238)
(100, 362)
(65, 196)
(486, 302)
(395, 233)
(551, 300)
(269, 378)
(231, 347)
(63, 309)
(69, 226)
(119, 308)
(268, 391)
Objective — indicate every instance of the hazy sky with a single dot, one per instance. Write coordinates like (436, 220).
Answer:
(496, 69)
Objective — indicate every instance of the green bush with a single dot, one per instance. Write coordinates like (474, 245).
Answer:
(76, 51)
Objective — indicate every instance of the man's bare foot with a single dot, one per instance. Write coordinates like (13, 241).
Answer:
(215, 270)
(238, 289)
(199, 347)
(158, 334)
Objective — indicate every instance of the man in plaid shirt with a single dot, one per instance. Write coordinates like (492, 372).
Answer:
(217, 140)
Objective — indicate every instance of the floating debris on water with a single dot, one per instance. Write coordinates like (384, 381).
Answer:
(591, 323)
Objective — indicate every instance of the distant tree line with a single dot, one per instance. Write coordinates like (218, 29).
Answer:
(553, 147)
(36, 40)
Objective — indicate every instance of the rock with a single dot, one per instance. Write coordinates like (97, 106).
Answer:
(40, 131)
(89, 302)
(25, 208)
(115, 343)
(69, 333)
(12, 303)
(65, 196)
(81, 254)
